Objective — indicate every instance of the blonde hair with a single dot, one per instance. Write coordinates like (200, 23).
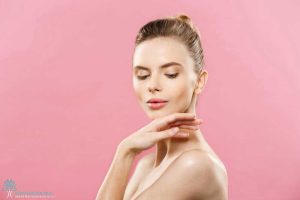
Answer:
(179, 27)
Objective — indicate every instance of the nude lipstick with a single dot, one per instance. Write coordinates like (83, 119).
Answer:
(156, 103)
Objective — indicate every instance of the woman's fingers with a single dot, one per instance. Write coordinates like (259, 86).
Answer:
(165, 122)
(165, 134)
(185, 131)
(192, 122)
(178, 125)
(190, 127)
(178, 132)
(182, 135)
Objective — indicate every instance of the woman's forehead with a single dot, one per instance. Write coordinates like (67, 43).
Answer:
(158, 51)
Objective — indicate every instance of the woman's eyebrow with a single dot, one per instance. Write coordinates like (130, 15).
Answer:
(162, 66)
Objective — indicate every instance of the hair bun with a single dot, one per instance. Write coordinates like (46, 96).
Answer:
(186, 19)
(183, 17)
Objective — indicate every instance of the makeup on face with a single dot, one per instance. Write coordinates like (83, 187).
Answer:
(156, 103)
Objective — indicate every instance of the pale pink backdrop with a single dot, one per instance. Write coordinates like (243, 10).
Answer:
(66, 96)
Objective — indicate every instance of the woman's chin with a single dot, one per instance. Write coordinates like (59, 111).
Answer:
(158, 114)
(153, 115)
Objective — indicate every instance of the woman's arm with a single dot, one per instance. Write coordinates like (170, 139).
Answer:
(114, 184)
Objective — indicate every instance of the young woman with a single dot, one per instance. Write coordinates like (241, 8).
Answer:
(168, 75)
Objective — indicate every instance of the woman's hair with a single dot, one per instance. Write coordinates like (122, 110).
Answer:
(179, 27)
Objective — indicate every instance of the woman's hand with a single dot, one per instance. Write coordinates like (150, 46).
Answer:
(174, 125)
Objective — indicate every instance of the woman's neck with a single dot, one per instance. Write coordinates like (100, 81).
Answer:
(172, 147)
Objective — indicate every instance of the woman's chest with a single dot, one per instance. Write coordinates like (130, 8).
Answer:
(148, 185)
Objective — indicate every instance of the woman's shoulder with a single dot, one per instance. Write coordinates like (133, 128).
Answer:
(201, 164)
(195, 158)
(192, 159)
(195, 170)
(202, 168)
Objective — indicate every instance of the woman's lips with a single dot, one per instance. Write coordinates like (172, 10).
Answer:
(157, 105)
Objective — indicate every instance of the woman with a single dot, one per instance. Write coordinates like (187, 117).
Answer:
(168, 75)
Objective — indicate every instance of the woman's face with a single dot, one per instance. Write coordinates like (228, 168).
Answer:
(152, 78)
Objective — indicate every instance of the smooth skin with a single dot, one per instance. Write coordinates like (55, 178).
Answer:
(184, 166)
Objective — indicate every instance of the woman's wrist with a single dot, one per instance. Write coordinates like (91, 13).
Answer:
(125, 149)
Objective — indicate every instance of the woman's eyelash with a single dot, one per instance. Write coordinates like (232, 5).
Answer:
(142, 77)
(172, 75)
(168, 75)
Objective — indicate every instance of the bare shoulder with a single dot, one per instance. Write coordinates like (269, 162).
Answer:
(198, 161)
(200, 174)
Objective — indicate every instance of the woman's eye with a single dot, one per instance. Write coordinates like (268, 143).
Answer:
(168, 75)
(172, 75)
(142, 77)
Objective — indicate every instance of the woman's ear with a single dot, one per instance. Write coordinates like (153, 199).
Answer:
(201, 81)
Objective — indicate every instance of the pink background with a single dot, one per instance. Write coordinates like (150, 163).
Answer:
(66, 96)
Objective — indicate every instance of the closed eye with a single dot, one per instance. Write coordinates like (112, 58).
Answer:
(168, 75)
(172, 75)
(142, 77)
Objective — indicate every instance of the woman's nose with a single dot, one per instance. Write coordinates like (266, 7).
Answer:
(153, 84)
(153, 89)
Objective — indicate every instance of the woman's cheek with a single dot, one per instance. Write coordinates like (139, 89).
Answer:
(138, 89)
